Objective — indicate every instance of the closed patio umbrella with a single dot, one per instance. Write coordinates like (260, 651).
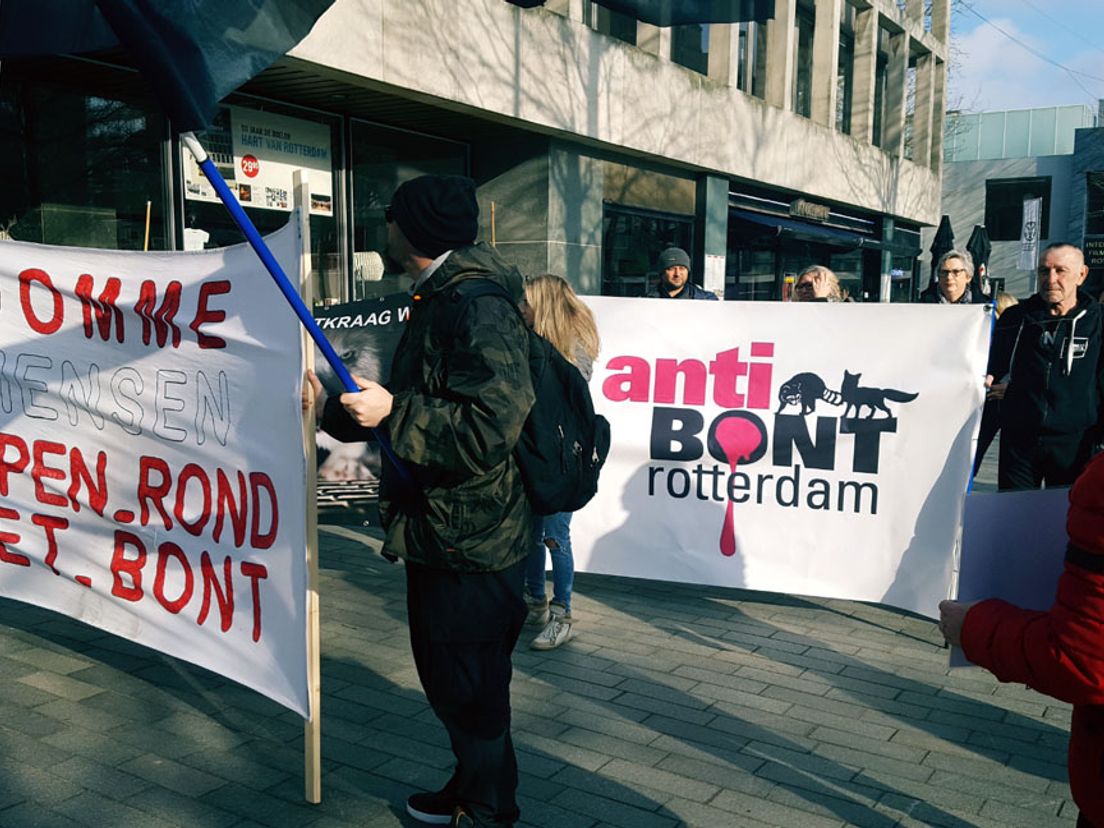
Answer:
(979, 247)
(943, 241)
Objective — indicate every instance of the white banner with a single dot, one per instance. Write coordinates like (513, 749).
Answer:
(1029, 234)
(257, 153)
(151, 470)
(807, 448)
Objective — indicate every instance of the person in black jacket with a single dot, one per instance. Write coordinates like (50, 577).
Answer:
(458, 395)
(674, 277)
(954, 283)
(1049, 347)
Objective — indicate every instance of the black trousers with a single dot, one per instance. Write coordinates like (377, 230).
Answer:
(990, 425)
(463, 628)
(1028, 461)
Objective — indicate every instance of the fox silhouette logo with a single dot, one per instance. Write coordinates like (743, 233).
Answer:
(855, 396)
(807, 389)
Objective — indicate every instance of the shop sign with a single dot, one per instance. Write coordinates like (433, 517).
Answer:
(800, 208)
(257, 153)
(1094, 251)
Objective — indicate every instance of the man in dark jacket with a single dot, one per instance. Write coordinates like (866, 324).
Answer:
(458, 394)
(1049, 348)
(954, 283)
(674, 277)
(1059, 652)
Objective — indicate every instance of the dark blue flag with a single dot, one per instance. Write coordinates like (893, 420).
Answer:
(193, 53)
(680, 12)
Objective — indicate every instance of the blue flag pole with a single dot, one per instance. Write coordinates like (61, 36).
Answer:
(290, 293)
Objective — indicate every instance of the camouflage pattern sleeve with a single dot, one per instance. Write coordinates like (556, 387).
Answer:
(472, 424)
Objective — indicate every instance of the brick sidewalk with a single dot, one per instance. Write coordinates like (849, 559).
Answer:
(675, 705)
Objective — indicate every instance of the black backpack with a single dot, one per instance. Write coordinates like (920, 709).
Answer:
(563, 442)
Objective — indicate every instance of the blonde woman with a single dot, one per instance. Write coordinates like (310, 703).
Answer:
(558, 315)
(817, 283)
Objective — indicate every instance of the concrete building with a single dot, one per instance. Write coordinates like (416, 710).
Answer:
(596, 140)
(994, 160)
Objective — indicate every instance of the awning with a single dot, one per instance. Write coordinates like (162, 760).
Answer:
(808, 231)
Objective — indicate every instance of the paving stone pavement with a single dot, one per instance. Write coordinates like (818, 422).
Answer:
(675, 705)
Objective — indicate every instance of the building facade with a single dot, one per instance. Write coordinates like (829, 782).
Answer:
(996, 160)
(596, 140)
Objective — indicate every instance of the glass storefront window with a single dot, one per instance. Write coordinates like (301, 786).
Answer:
(79, 168)
(848, 268)
(631, 243)
(382, 158)
(756, 276)
(254, 145)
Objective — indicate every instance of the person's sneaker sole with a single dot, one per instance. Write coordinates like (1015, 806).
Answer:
(427, 817)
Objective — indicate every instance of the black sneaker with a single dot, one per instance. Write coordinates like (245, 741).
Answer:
(432, 808)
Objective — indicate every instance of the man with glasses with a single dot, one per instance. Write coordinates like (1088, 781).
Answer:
(954, 272)
(1049, 348)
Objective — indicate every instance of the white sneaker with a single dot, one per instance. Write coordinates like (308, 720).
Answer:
(559, 630)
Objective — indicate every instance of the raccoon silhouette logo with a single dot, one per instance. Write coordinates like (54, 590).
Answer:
(805, 390)
(856, 396)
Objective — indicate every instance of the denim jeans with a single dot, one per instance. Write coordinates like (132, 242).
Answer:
(557, 529)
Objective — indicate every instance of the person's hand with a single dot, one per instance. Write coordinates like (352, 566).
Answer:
(996, 391)
(370, 405)
(313, 395)
(952, 615)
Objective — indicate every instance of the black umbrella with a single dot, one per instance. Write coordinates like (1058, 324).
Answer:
(980, 247)
(943, 241)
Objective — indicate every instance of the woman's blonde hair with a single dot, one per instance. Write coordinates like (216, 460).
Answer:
(829, 277)
(561, 317)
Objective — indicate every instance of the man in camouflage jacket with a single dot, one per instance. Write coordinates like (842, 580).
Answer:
(458, 394)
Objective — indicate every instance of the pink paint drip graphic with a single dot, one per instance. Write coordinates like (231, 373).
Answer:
(739, 440)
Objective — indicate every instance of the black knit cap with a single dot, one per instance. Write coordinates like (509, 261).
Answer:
(436, 212)
(673, 256)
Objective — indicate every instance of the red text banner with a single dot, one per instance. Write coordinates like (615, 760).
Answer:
(151, 469)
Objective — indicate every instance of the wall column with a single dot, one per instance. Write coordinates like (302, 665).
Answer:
(893, 123)
(711, 239)
(826, 33)
(780, 53)
(866, 64)
(571, 9)
(724, 53)
(654, 39)
(941, 20)
(923, 117)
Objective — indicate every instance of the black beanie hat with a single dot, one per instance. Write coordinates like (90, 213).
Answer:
(673, 256)
(436, 212)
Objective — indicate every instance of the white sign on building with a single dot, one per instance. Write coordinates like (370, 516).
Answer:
(257, 153)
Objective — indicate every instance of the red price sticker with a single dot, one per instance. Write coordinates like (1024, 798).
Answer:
(250, 166)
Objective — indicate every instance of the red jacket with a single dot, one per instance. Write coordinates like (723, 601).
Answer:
(1060, 652)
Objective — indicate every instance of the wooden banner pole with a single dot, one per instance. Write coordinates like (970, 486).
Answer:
(312, 728)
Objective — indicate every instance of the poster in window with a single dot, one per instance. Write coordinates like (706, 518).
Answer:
(257, 153)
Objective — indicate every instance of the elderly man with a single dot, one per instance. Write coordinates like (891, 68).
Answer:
(955, 272)
(674, 277)
(1049, 348)
(454, 406)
